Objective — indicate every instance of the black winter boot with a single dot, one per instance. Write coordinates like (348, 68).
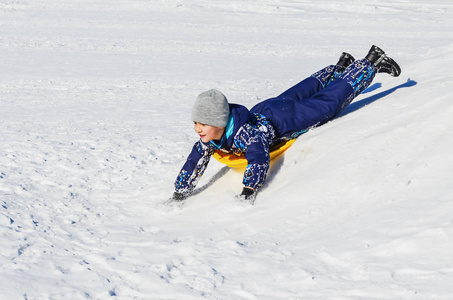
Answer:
(345, 60)
(382, 62)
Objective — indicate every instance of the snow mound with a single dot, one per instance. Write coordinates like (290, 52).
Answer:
(95, 119)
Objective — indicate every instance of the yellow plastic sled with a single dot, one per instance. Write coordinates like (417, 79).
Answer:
(239, 161)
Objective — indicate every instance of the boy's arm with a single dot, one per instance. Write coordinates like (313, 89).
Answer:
(193, 169)
(258, 160)
(256, 149)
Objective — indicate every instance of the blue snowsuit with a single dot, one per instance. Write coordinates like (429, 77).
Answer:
(308, 104)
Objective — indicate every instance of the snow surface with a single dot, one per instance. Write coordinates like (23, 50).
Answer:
(95, 125)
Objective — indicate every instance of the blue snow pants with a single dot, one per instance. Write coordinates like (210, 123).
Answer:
(317, 99)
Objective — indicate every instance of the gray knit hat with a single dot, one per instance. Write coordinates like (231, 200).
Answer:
(211, 108)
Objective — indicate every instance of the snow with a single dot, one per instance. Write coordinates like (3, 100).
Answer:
(95, 125)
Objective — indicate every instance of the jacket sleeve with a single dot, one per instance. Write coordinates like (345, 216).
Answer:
(194, 168)
(256, 148)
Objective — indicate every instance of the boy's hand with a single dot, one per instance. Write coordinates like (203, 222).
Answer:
(248, 194)
(178, 196)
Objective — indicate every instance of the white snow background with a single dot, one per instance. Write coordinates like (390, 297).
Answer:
(95, 125)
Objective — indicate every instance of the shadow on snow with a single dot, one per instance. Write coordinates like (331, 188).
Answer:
(278, 163)
(359, 104)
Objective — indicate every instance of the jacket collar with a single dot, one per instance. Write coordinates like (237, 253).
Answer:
(239, 115)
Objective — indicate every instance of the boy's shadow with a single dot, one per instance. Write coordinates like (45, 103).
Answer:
(359, 104)
(278, 163)
(211, 181)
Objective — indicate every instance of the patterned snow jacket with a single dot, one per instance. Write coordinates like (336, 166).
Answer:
(247, 133)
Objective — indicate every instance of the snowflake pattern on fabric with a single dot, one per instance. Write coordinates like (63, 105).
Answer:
(197, 162)
(359, 75)
(324, 75)
(328, 74)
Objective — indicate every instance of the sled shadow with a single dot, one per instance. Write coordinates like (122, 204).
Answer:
(359, 104)
(211, 181)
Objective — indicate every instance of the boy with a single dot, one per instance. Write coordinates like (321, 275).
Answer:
(312, 102)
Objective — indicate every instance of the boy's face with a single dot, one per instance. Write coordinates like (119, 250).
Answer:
(208, 133)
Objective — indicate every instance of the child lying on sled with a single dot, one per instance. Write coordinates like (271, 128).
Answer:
(233, 128)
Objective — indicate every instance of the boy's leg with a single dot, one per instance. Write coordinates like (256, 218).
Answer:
(359, 75)
(317, 81)
(326, 75)
(304, 89)
(292, 117)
